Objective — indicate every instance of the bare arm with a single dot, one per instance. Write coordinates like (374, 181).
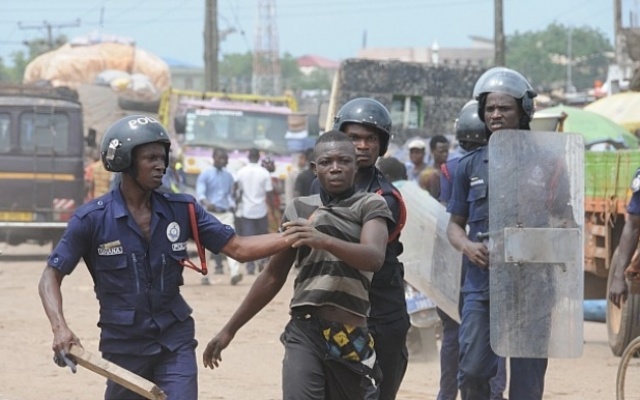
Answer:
(51, 297)
(367, 255)
(627, 246)
(476, 252)
(250, 248)
(263, 290)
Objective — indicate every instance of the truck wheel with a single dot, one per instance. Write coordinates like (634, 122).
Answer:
(623, 324)
(135, 104)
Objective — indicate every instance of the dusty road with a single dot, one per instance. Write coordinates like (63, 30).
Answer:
(251, 366)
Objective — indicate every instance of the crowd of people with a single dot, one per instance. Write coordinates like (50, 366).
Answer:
(341, 228)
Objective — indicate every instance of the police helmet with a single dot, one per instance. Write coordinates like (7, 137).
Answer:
(507, 81)
(126, 134)
(468, 126)
(369, 112)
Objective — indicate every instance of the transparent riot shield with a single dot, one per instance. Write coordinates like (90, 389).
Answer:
(536, 219)
(431, 264)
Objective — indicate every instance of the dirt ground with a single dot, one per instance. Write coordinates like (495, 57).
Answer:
(250, 367)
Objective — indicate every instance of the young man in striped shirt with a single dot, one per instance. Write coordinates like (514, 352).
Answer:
(338, 240)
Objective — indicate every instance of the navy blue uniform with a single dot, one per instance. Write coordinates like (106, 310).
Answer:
(478, 363)
(145, 323)
(634, 204)
(450, 348)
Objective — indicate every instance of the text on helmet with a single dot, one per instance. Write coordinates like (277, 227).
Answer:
(133, 124)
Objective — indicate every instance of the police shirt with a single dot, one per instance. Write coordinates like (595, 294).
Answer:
(446, 179)
(634, 205)
(137, 282)
(470, 199)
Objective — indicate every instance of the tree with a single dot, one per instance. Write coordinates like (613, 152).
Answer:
(543, 56)
(35, 47)
(235, 71)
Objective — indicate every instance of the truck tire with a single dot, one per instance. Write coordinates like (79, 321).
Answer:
(130, 103)
(623, 324)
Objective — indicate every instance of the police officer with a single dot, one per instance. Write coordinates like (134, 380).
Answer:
(368, 123)
(619, 291)
(132, 240)
(505, 101)
(471, 134)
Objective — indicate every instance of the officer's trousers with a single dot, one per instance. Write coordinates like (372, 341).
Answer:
(478, 362)
(449, 358)
(175, 372)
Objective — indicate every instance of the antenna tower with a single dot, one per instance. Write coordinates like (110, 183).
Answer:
(267, 79)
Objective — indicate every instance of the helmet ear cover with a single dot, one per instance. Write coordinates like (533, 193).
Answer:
(368, 112)
(120, 139)
(469, 127)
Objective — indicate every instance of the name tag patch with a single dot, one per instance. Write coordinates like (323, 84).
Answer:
(181, 246)
(476, 181)
(110, 248)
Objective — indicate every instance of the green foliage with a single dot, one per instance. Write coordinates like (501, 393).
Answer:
(235, 71)
(20, 59)
(543, 56)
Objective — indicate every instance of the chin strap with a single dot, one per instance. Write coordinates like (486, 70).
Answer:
(196, 238)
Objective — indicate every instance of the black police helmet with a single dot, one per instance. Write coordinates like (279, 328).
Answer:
(507, 81)
(126, 134)
(469, 127)
(367, 112)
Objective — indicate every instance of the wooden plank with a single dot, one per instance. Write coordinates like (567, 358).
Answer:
(119, 375)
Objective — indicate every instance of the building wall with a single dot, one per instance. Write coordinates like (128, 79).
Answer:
(187, 78)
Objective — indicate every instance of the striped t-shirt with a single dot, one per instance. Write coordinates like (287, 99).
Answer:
(323, 279)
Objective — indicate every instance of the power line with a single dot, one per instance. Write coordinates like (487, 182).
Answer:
(49, 26)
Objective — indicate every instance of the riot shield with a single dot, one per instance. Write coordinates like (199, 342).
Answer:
(536, 220)
(431, 264)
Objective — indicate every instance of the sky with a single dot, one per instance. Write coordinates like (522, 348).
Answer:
(335, 29)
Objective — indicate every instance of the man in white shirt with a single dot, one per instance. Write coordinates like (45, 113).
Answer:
(253, 183)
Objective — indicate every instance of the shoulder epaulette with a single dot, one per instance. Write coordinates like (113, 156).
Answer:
(93, 205)
(178, 197)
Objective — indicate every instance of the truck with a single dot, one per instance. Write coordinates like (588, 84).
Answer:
(608, 176)
(42, 163)
(236, 122)
(425, 99)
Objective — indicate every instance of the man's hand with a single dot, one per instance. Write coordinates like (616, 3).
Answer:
(212, 354)
(63, 360)
(63, 338)
(477, 253)
(211, 208)
(618, 291)
(301, 233)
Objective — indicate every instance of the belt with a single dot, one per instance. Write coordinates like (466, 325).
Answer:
(221, 210)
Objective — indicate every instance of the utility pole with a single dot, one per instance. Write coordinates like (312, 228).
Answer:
(498, 35)
(617, 32)
(49, 27)
(211, 43)
(569, 87)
